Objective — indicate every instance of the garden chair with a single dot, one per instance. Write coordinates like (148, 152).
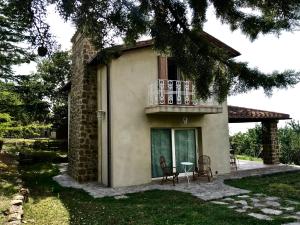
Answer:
(168, 174)
(203, 167)
(233, 159)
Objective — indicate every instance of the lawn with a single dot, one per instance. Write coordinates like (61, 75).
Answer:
(51, 204)
(284, 185)
(250, 158)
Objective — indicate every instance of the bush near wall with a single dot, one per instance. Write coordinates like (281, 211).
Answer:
(28, 131)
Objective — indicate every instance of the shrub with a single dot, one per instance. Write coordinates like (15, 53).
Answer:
(5, 121)
(249, 143)
(289, 143)
(28, 131)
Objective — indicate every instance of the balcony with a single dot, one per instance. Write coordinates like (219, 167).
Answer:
(177, 96)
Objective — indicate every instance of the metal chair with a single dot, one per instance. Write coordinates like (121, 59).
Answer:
(168, 174)
(203, 167)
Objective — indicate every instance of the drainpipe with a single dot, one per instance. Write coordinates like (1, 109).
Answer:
(108, 125)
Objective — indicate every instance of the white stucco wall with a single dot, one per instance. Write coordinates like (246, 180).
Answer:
(130, 76)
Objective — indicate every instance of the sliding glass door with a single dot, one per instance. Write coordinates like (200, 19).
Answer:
(185, 147)
(176, 145)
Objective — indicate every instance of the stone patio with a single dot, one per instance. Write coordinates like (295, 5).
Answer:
(257, 205)
(200, 188)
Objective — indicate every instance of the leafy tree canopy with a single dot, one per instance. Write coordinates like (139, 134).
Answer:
(177, 29)
(38, 97)
(22, 29)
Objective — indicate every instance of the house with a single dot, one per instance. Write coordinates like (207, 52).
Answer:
(128, 111)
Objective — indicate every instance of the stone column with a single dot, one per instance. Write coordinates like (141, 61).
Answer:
(270, 142)
(83, 149)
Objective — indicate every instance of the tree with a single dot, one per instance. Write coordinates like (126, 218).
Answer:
(177, 29)
(38, 97)
(289, 140)
(22, 28)
(248, 143)
(11, 35)
(53, 74)
(24, 101)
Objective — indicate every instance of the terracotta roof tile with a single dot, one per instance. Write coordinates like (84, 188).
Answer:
(242, 114)
(143, 44)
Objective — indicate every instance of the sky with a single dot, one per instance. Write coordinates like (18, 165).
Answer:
(267, 53)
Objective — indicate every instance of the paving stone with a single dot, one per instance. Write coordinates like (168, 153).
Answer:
(16, 209)
(247, 207)
(259, 194)
(14, 217)
(271, 198)
(19, 197)
(228, 199)
(293, 223)
(241, 210)
(258, 205)
(243, 196)
(232, 207)
(260, 216)
(121, 197)
(16, 202)
(254, 199)
(16, 222)
(298, 213)
(291, 217)
(219, 203)
(272, 203)
(292, 202)
(288, 208)
(241, 202)
(271, 211)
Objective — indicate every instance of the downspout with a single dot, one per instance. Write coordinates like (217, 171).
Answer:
(108, 125)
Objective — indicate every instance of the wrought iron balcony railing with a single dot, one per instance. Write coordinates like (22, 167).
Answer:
(175, 92)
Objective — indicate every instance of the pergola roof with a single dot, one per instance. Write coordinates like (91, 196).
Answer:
(241, 114)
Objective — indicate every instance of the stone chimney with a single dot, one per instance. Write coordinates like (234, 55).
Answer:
(83, 150)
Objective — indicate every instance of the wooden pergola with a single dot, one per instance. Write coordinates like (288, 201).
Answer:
(269, 122)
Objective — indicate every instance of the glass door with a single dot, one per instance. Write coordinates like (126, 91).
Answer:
(185, 147)
(161, 145)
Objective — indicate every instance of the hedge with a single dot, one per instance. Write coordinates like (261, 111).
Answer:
(29, 131)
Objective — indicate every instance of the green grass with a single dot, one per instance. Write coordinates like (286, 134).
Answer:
(16, 146)
(8, 185)
(250, 158)
(52, 204)
(284, 185)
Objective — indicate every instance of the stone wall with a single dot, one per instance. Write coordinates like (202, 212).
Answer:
(270, 142)
(83, 149)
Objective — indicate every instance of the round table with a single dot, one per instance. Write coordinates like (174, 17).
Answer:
(186, 164)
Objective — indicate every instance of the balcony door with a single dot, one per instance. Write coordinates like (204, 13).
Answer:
(176, 145)
(173, 71)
